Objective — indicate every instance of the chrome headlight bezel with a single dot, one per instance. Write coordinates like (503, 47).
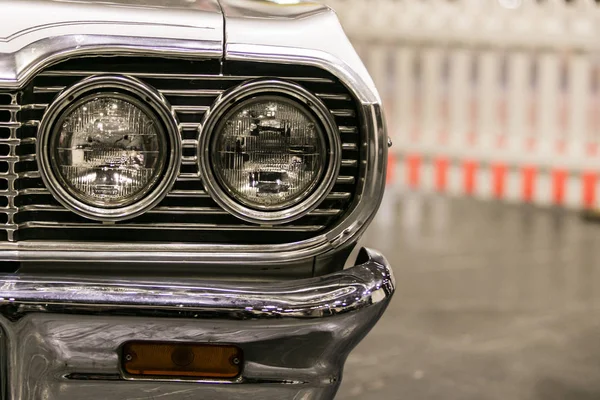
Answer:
(143, 96)
(256, 89)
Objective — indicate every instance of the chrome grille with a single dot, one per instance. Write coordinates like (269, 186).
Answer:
(9, 125)
(187, 214)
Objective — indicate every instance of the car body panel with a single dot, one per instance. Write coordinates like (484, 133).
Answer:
(29, 41)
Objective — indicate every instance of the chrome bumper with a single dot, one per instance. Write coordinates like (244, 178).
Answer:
(61, 337)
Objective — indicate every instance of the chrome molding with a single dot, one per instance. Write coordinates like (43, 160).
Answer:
(101, 84)
(315, 194)
(62, 337)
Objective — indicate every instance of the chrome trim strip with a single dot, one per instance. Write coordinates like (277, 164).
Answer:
(343, 113)
(33, 191)
(189, 126)
(63, 335)
(10, 141)
(348, 129)
(190, 143)
(29, 174)
(333, 96)
(188, 177)
(171, 226)
(10, 107)
(191, 92)
(189, 160)
(349, 163)
(187, 193)
(204, 77)
(345, 180)
(190, 109)
(48, 89)
(34, 106)
(165, 210)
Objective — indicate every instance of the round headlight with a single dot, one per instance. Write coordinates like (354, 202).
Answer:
(270, 151)
(109, 153)
(108, 150)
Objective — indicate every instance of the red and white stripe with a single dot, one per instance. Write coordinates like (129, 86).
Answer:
(495, 180)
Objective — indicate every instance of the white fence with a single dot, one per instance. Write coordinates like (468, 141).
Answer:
(490, 98)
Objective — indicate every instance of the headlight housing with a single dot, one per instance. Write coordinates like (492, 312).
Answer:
(109, 148)
(270, 151)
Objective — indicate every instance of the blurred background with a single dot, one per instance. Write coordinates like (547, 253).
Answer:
(493, 107)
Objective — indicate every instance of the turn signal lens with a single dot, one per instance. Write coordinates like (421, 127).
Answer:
(182, 360)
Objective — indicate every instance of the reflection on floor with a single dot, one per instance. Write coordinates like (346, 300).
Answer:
(494, 301)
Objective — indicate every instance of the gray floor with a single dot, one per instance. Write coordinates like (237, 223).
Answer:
(494, 301)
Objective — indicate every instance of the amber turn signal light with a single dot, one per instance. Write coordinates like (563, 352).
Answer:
(209, 361)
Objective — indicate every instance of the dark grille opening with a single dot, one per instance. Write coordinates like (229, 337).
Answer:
(188, 185)
(3, 167)
(9, 267)
(29, 183)
(26, 149)
(5, 99)
(187, 213)
(190, 117)
(189, 152)
(3, 184)
(24, 166)
(3, 201)
(189, 134)
(26, 132)
(188, 169)
(4, 133)
(4, 115)
(32, 199)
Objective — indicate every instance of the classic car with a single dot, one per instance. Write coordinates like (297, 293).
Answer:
(182, 183)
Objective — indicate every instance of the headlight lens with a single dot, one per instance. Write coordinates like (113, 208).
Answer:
(108, 150)
(268, 152)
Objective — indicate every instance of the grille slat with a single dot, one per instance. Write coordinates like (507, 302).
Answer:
(48, 89)
(191, 92)
(190, 109)
(345, 180)
(188, 193)
(349, 146)
(188, 210)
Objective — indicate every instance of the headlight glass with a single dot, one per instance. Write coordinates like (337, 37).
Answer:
(108, 149)
(268, 152)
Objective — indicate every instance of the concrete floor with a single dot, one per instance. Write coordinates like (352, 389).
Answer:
(494, 301)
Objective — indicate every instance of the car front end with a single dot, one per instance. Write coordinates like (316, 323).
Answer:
(182, 184)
